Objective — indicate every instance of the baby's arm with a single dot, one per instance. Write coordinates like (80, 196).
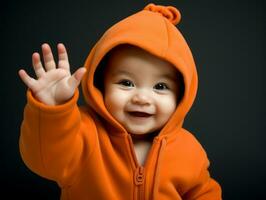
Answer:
(204, 187)
(53, 128)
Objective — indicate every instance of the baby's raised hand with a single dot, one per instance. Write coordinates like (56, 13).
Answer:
(54, 84)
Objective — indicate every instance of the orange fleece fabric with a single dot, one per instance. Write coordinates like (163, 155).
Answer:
(91, 156)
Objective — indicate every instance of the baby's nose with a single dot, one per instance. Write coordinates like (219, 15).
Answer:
(142, 98)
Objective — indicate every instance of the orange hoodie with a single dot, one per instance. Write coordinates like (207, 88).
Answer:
(91, 156)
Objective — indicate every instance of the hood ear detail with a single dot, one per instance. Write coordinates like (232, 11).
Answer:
(169, 12)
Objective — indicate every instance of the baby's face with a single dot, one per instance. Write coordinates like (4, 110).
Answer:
(141, 90)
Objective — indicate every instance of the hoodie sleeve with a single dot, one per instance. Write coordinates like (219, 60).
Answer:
(53, 138)
(204, 186)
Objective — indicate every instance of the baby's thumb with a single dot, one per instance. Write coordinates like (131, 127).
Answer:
(75, 79)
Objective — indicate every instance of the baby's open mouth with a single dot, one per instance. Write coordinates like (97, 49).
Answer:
(139, 114)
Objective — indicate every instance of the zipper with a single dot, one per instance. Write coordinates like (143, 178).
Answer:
(139, 173)
(139, 170)
(139, 177)
(158, 168)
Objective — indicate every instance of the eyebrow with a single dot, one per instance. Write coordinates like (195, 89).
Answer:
(121, 72)
(167, 76)
(170, 77)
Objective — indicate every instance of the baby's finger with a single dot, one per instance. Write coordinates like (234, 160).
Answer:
(37, 65)
(75, 79)
(48, 57)
(30, 82)
(62, 57)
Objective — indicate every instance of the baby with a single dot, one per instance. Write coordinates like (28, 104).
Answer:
(139, 82)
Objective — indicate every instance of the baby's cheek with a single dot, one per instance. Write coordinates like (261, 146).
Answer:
(115, 100)
(168, 104)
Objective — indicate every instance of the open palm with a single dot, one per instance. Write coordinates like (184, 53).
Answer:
(54, 84)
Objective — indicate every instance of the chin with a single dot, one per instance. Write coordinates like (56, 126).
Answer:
(140, 131)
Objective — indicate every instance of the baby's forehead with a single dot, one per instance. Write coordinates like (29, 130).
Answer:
(131, 59)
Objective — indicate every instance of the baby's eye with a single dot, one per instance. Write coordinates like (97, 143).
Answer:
(126, 83)
(161, 86)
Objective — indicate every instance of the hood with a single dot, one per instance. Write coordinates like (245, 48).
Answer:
(154, 30)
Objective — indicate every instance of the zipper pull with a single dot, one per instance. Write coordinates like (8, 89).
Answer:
(139, 175)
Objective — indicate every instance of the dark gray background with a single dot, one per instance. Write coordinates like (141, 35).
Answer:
(228, 41)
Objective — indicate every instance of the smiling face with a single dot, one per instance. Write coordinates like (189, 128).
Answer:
(140, 90)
